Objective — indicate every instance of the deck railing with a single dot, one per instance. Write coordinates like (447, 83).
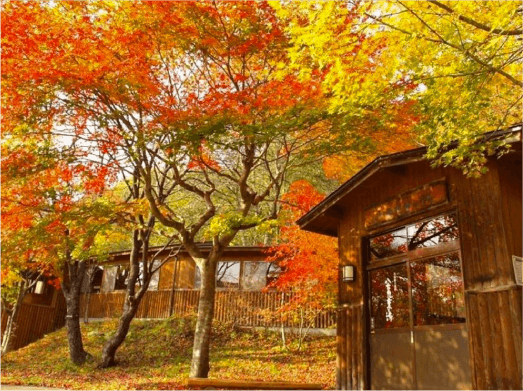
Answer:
(245, 308)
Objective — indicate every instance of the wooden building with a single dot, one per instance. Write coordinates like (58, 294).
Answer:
(241, 297)
(433, 302)
(242, 268)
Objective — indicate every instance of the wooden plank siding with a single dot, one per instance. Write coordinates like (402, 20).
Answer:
(490, 226)
(489, 218)
(245, 308)
(34, 321)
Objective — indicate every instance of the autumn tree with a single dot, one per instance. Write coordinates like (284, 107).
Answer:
(51, 214)
(183, 98)
(457, 63)
(308, 261)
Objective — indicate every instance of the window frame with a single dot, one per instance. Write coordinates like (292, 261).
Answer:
(418, 254)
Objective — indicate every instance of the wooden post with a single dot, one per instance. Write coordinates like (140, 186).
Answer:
(171, 302)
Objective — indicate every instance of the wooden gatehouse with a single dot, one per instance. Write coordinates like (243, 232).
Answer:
(428, 297)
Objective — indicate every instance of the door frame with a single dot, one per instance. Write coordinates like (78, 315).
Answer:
(407, 258)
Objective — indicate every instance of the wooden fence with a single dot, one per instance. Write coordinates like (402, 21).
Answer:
(34, 321)
(242, 307)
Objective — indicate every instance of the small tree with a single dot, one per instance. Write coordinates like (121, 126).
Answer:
(309, 262)
(50, 220)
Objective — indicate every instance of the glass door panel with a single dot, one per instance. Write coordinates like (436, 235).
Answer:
(418, 337)
(391, 368)
(389, 294)
(437, 290)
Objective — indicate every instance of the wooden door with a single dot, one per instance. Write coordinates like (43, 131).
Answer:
(418, 336)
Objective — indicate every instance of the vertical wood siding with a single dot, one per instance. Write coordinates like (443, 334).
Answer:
(242, 307)
(34, 321)
(351, 353)
(490, 222)
(490, 226)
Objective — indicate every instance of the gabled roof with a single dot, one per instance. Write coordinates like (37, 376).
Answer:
(323, 218)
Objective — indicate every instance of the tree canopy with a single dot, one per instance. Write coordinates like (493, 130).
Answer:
(455, 65)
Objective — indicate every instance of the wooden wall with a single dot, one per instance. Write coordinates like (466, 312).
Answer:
(186, 269)
(490, 225)
(34, 321)
(489, 214)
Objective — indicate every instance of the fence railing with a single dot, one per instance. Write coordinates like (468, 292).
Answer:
(245, 308)
(34, 321)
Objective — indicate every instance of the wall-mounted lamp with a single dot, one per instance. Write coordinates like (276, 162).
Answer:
(347, 273)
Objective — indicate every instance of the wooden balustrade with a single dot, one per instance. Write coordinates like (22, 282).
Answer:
(245, 308)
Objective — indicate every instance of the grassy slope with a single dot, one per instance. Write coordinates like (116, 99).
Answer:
(156, 355)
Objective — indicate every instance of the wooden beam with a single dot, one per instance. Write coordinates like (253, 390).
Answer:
(250, 385)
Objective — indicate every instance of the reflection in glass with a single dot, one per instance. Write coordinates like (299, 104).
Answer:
(108, 279)
(437, 290)
(254, 275)
(228, 275)
(389, 297)
(389, 244)
(273, 272)
(433, 232)
(121, 278)
(197, 278)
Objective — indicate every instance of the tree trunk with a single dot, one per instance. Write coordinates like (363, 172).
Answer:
(9, 333)
(74, 334)
(71, 287)
(112, 345)
(202, 336)
(132, 301)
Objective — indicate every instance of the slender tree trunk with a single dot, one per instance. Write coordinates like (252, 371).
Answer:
(202, 336)
(9, 333)
(87, 302)
(71, 288)
(112, 345)
(132, 301)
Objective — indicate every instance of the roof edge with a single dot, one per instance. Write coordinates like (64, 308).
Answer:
(378, 162)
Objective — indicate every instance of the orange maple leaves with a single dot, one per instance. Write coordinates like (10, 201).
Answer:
(309, 261)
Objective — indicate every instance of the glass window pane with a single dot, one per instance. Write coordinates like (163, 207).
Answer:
(437, 290)
(197, 278)
(273, 272)
(392, 243)
(153, 284)
(389, 298)
(254, 275)
(433, 232)
(228, 275)
(109, 279)
(122, 277)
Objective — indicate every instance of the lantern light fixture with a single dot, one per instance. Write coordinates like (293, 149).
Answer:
(347, 273)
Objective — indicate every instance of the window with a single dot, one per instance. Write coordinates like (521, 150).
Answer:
(429, 233)
(109, 279)
(228, 275)
(437, 290)
(430, 266)
(387, 245)
(389, 297)
(273, 272)
(121, 277)
(254, 275)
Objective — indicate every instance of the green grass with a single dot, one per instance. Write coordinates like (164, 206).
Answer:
(157, 354)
